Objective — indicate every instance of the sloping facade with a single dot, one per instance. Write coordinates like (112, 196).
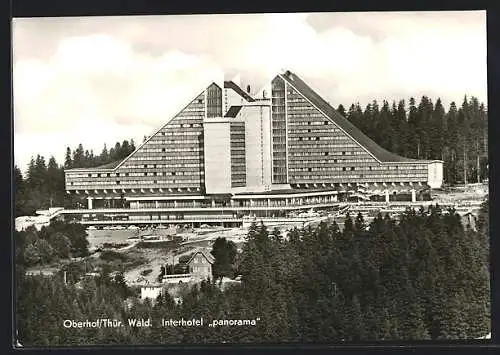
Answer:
(312, 143)
(172, 158)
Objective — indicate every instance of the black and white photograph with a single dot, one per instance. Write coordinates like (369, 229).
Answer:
(272, 178)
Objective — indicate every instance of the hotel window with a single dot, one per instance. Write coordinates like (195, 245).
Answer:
(145, 166)
(352, 168)
(90, 175)
(98, 175)
(335, 160)
(71, 182)
(200, 101)
(343, 153)
(108, 174)
(326, 122)
(163, 150)
(317, 138)
(126, 174)
(173, 172)
(145, 174)
(117, 174)
(154, 182)
(162, 133)
(300, 139)
(309, 169)
(308, 131)
(343, 168)
(117, 182)
(326, 153)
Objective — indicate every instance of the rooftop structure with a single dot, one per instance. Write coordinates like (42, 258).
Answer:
(229, 153)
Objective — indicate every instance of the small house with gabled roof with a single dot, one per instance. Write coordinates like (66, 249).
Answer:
(200, 264)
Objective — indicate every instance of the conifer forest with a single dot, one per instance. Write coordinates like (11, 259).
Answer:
(425, 276)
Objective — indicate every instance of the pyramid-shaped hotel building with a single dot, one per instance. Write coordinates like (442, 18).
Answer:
(230, 154)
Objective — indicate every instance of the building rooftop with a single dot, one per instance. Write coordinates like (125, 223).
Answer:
(379, 152)
(108, 166)
(111, 165)
(203, 252)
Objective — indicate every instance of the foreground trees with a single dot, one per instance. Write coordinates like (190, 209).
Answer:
(425, 276)
(60, 240)
(224, 252)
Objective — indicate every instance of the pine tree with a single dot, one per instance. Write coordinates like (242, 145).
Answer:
(224, 252)
(19, 192)
(68, 162)
(412, 325)
(400, 128)
(31, 174)
(385, 128)
(474, 281)
(483, 141)
(437, 132)
(18, 179)
(55, 182)
(451, 142)
(453, 325)
(463, 119)
(78, 157)
(103, 158)
(86, 159)
(117, 152)
(372, 124)
(424, 111)
(341, 110)
(355, 324)
(414, 143)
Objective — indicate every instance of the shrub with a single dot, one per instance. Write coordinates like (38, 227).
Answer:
(110, 255)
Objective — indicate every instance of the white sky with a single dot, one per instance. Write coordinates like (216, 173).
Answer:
(96, 80)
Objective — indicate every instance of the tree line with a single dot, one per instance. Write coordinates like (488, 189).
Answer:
(42, 185)
(59, 240)
(425, 130)
(423, 276)
(83, 158)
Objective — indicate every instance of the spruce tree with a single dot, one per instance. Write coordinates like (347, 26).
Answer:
(68, 162)
(451, 142)
(437, 131)
(414, 143)
(341, 110)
